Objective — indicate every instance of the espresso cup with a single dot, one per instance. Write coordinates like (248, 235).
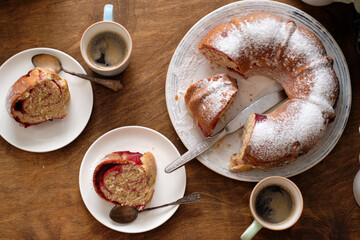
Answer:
(106, 46)
(276, 203)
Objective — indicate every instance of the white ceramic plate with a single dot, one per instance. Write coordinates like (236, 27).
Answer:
(188, 65)
(50, 135)
(168, 187)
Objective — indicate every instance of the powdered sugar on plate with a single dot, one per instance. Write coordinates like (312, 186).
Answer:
(194, 67)
(188, 66)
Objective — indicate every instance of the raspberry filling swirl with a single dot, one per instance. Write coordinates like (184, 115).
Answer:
(122, 179)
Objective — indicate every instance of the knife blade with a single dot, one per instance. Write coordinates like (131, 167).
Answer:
(259, 106)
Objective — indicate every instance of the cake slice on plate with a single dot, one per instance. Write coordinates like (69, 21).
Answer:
(126, 178)
(38, 96)
(208, 99)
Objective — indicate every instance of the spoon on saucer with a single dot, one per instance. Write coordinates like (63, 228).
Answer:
(53, 63)
(126, 214)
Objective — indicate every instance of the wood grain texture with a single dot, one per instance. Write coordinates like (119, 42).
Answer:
(39, 192)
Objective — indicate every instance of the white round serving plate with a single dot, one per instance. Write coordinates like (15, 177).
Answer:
(168, 187)
(50, 135)
(188, 66)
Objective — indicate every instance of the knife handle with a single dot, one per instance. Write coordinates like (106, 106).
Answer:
(195, 151)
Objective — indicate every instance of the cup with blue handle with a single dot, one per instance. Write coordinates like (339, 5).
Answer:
(276, 203)
(106, 46)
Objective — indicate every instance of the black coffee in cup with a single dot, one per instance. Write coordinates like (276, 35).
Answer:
(107, 49)
(274, 204)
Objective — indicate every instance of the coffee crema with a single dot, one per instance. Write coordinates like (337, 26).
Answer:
(274, 204)
(107, 49)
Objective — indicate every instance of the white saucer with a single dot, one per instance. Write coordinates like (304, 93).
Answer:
(50, 135)
(168, 187)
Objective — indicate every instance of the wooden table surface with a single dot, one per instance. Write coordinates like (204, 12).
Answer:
(39, 192)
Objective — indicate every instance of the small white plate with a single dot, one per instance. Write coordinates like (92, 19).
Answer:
(188, 65)
(168, 187)
(50, 135)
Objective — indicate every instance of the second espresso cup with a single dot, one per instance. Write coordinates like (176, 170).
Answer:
(106, 46)
(276, 203)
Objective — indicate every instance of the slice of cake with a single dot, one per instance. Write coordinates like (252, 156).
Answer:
(39, 96)
(208, 99)
(126, 178)
(277, 138)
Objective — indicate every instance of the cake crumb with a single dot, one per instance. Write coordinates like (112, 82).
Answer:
(217, 145)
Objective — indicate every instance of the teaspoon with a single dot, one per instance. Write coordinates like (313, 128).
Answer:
(126, 214)
(53, 63)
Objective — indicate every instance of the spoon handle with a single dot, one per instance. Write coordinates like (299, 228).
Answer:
(112, 84)
(193, 197)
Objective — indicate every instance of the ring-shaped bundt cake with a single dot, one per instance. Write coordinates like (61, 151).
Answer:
(265, 44)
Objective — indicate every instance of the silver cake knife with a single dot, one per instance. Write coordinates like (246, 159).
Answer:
(259, 106)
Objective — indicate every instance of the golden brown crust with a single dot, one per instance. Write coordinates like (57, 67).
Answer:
(209, 98)
(131, 169)
(22, 88)
(265, 44)
(149, 163)
(222, 29)
(282, 119)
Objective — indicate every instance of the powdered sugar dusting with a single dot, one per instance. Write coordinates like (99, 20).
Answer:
(213, 95)
(232, 43)
(279, 49)
(298, 128)
(302, 48)
(322, 92)
(250, 37)
(217, 158)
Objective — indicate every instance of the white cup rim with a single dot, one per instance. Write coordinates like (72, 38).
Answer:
(287, 184)
(109, 69)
